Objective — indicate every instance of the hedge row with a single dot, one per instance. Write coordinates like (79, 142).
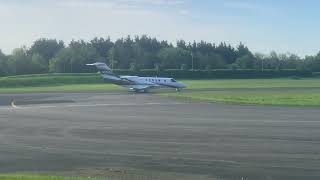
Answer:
(87, 78)
(217, 74)
(48, 80)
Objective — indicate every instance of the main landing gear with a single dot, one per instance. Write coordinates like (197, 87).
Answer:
(141, 90)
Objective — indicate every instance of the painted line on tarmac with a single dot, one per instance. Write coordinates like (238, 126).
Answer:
(13, 105)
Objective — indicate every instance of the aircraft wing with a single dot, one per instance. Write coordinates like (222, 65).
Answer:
(143, 87)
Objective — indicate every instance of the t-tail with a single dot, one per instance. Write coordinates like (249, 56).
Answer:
(107, 74)
(102, 67)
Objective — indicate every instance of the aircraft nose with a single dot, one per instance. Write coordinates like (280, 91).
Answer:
(182, 85)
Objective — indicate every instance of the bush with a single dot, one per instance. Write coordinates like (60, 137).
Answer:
(224, 73)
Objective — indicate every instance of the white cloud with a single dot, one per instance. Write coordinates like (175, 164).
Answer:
(22, 23)
(79, 19)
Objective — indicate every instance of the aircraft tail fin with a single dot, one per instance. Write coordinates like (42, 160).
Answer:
(102, 67)
(107, 74)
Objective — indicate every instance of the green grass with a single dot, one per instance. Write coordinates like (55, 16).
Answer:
(48, 80)
(39, 177)
(64, 88)
(94, 78)
(252, 83)
(75, 82)
(303, 92)
(292, 98)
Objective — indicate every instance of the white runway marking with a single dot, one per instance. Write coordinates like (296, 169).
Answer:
(13, 105)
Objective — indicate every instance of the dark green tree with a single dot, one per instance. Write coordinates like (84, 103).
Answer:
(144, 52)
(19, 62)
(173, 58)
(46, 48)
(74, 58)
(3, 64)
(39, 64)
(102, 46)
(246, 62)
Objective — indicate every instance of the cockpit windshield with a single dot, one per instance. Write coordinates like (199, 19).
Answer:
(173, 80)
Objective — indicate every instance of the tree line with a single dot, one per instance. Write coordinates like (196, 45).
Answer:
(144, 52)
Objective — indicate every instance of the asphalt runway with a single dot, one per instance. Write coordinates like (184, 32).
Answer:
(66, 131)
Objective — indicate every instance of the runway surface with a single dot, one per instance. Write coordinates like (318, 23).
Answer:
(66, 131)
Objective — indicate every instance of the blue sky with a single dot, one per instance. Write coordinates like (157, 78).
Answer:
(263, 25)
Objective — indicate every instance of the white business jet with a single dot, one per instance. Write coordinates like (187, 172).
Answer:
(136, 83)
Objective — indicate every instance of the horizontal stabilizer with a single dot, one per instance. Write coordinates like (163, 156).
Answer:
(100, 66)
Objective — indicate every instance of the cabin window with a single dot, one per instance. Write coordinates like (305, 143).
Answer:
(172, 80)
